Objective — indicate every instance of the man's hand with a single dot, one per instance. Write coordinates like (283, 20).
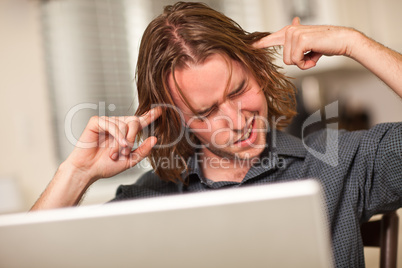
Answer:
(103, 150)
(303, 45)
(105, 147)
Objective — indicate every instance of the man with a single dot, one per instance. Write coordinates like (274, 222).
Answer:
(217, 104)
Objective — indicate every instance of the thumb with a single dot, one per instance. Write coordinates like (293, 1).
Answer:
(296, 21)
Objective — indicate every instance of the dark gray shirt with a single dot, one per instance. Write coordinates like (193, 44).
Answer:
(361, 174)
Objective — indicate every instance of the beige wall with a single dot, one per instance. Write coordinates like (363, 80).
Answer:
(27, 146)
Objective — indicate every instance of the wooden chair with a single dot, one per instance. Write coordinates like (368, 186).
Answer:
(383, 233)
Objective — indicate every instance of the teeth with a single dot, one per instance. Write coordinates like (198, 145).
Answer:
(247, 134)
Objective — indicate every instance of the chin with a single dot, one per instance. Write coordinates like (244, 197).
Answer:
(235, 152)
(249, 154)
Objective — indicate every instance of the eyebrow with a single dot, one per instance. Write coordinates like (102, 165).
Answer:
(234, 92)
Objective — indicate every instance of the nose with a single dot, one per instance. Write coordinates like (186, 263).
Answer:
(232, 113)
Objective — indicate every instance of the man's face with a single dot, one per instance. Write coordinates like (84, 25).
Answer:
(231, 125)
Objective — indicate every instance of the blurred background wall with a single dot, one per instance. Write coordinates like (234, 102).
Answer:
(64, 61)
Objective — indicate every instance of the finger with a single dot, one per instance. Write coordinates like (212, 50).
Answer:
(150, 116)
(133, 126)
(314, 56)
(114, 149)
(302, 54)
(109, 127)
(121, 124)
(128, 125)
(296, 54)
(296, 21)
(274, 39)
(117, 139)
(295, 44)
(277, 38)
(135, 123)
(142, 151)
(288, 45)
(310, 60)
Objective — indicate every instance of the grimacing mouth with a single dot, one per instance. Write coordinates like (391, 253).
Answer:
(247, 130)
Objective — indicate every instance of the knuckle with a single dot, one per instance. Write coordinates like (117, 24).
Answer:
(121, 124)
(294, 57)
(287, 61)
(136, 119)
(302, 38)
(132, 119)
(135, 158)
(291, 29)
(94, 118)
(123, 129)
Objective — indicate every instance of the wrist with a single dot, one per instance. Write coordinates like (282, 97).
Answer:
(65, 189)
(358, 41)
(74, 175)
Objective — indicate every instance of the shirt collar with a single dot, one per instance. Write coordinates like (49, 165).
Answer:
(279, 143)
(194, 167)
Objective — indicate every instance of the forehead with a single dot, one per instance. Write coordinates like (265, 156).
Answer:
(205, 83)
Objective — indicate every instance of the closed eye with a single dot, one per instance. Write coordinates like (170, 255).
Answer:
(239, 91)
(237, 94)
(204, 115)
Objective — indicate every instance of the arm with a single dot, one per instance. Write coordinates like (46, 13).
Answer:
(385, 63)
(304, 45)
(103, 150)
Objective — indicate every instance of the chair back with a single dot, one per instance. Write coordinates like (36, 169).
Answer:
(383, 233)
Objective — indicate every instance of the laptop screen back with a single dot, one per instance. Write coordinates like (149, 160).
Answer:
(274, 225)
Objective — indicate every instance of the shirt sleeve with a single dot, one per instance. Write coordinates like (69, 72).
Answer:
(148, 185)
(381, 188)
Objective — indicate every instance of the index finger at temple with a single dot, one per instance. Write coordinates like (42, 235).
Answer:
(150, 116)
(274, 39)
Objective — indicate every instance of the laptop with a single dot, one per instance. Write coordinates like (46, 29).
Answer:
(273, 225)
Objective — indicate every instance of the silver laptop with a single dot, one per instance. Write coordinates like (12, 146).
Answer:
(274, 225)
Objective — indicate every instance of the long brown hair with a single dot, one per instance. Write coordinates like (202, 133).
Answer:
(190, 32)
